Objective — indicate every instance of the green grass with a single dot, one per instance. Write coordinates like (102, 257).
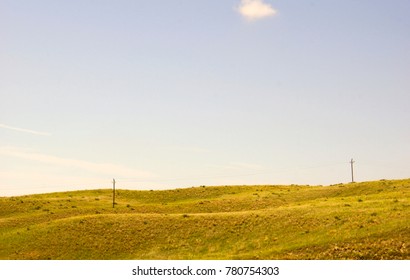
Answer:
(369, 220)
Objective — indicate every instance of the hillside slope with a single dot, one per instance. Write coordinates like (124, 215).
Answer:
(369, 220)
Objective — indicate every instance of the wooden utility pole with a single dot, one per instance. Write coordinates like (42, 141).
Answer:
(351, 168)
(113, 193)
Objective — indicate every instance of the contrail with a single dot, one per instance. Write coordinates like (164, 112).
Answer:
(24, 130)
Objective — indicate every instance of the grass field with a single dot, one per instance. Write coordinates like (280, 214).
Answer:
(369, 220)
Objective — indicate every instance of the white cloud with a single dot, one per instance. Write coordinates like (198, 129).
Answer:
(255, 9)
(27, 181)
(102, 168)
(24, 130)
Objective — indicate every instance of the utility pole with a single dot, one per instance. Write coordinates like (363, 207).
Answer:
(113, 193)
(351, 168)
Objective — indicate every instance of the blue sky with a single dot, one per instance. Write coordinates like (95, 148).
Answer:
(168, 94)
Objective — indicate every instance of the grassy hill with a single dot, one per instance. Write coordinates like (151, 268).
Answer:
(369, 220)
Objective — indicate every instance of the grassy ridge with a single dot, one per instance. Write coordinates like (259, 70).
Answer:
(369, 220)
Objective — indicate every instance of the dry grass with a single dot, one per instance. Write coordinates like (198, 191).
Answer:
(367, 220)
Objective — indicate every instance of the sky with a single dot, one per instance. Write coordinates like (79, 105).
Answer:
(173, 94)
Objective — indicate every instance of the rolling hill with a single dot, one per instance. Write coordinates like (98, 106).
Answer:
(368, 220)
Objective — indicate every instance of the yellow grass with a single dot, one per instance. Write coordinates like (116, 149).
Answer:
(369, 220)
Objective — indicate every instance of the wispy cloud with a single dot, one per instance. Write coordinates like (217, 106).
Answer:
(102, 168)
(255, 9)
(24, 130)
